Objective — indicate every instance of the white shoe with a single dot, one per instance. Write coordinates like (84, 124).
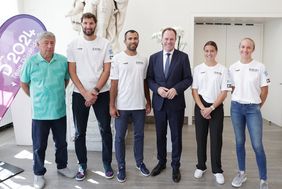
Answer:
(67, 172)
(219, 178)
(199, 173)
(239, 179)
(263, 184)
(39, 181)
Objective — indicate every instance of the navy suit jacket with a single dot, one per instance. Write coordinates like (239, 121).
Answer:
(179, 77)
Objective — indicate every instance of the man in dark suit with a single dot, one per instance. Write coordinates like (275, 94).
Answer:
(169, 75)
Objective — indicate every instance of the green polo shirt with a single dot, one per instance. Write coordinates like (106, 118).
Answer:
(47, 85)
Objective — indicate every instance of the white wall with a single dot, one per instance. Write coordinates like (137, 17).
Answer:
(52, 14)
(7, 9)
(272, 109)
(148, 16)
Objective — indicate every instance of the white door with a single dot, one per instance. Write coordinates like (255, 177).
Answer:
(234, 34)
(204, 33)
(227, 38)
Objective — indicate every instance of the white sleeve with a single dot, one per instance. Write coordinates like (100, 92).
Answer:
(145, 70)
(195, 84)
(230, 76)
(70, 53)
(114, 69)
(264, 77)
(109, 54)
(225, 83)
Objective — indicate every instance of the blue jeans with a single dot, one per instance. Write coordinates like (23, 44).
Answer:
(80, 116)
(40, 133)
(121, 124)
(249, 115)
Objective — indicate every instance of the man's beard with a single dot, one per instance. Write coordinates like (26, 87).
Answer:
(132, 47)
(88, 32)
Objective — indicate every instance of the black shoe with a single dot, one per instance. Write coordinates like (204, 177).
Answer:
(176, 175)
(158, 169)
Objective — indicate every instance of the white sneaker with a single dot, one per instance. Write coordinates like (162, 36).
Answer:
(67, 172)
(39, 181)
(263, 184)
(239, 179)
(199, 173)
(219, 178)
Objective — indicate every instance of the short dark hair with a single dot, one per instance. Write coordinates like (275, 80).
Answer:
(88, 15)
(130, 31)
(169, 29)
(211, 43)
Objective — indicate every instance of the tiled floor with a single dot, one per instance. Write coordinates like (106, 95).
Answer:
(22, 156)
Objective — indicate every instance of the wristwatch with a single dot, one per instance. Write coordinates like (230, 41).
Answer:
(212, 107)
(96, 89)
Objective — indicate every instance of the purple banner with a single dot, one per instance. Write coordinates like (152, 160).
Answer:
(17, 42)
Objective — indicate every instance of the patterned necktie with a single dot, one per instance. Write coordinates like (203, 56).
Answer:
(166, 65)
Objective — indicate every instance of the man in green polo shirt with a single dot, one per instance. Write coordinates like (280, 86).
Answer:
(44, 78)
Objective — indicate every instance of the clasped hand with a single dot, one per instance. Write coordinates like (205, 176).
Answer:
(206, 112)
(90, 98)
(167, 93)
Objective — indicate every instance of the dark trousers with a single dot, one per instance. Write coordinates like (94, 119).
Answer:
(40, 133)
(121, 124)
(202, 127)
(175, 119)
(80, 116)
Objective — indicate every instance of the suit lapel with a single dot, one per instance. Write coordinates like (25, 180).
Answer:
(161, 64)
